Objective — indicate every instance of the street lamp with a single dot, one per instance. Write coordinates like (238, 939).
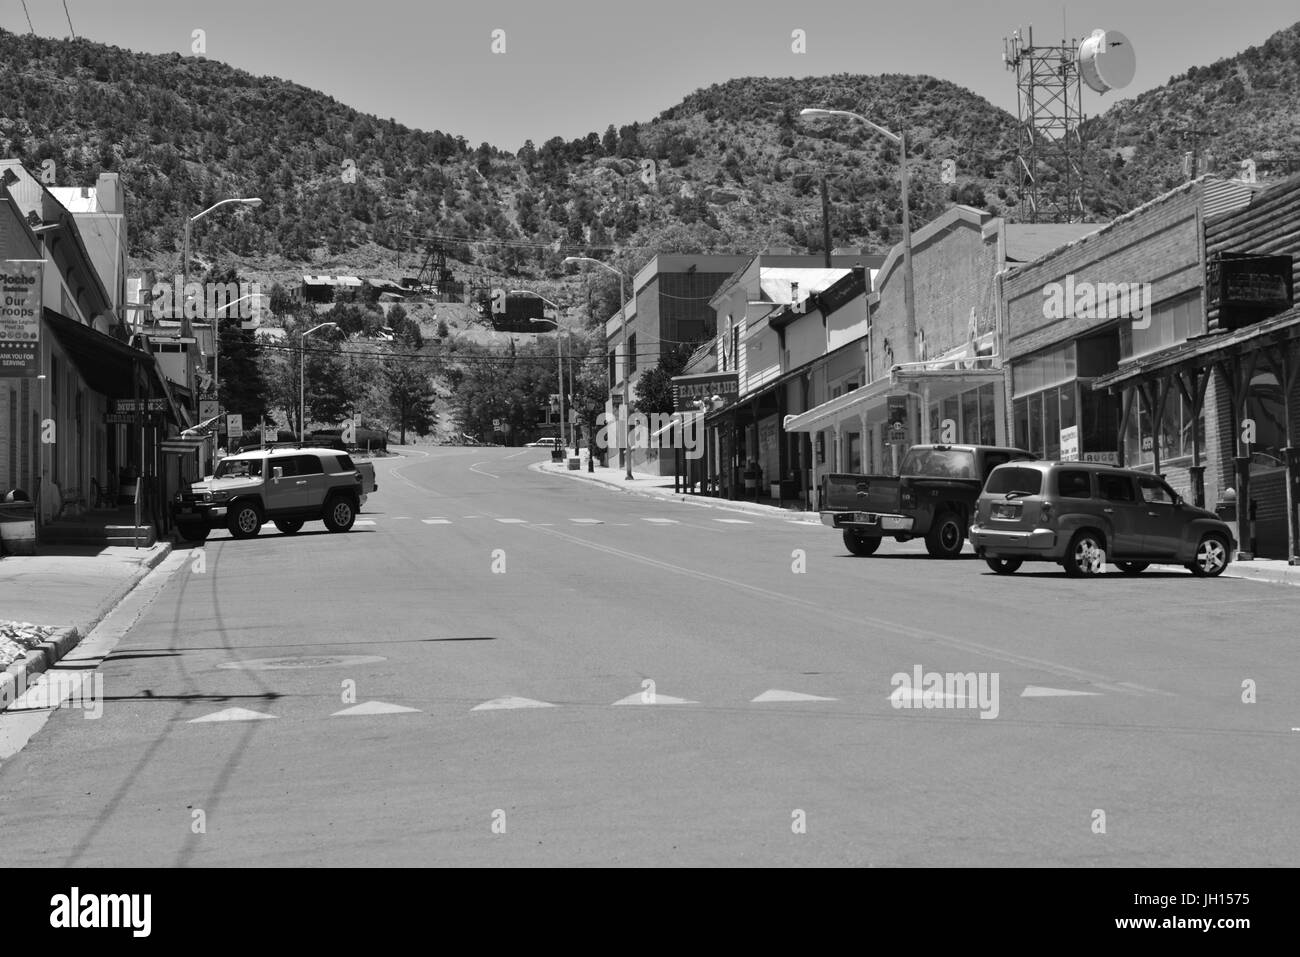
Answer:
(302, 378)
(559, 356)
(185, 281)
(909, 298)
(627, 356)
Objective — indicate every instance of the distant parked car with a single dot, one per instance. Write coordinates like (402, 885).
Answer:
(1083, 515)
(544, 443)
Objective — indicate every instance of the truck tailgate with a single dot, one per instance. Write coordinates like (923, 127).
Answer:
(843, 492)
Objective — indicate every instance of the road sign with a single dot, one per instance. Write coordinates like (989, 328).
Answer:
(234, 424)
(207, 409)
(269, 435)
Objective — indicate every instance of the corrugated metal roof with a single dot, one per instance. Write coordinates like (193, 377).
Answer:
(1028, 241)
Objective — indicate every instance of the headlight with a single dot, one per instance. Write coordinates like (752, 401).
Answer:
(220, 496)
(179, 498)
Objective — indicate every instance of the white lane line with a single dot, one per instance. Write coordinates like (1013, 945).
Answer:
(364, 521)
(544, 524)
(501, 704)
(734, 521)
(233, 714)
(1035, 691)
(513, 521)
(400, 518)
(649, 697)
(661, 521)
(474, 468)
(373, 707)
(586, 521)
(436, 521)
(517, 454)
(776, 694)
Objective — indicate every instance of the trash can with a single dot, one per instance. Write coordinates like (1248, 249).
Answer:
(557, 455)
(574, 463)
(17, 528)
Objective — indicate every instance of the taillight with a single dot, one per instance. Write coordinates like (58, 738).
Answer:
(906, 497)
(1045, 511)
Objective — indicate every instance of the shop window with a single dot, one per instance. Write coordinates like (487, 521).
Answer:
(1176, 424)
(988, 415)
(970, 417)
(1265, 406)
(1099, 423)
(631, 353)
(1052, 423)
(1171, 323)
(855, 452)
(1036, 425)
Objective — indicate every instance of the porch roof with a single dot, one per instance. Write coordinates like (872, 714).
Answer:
(900, 379)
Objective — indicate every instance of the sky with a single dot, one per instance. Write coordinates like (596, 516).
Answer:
(570, 68)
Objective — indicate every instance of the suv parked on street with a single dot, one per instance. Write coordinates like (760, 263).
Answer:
(1082, 515)
(289, 486)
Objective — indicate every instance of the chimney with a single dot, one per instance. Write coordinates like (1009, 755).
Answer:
(108, 193)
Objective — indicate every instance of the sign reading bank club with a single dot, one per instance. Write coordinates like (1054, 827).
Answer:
(20, 318)
(704, 386)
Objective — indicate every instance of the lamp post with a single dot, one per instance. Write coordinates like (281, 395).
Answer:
(302, 378)
(559, 355)
(627, 357)
(185, 281)
(899, 139)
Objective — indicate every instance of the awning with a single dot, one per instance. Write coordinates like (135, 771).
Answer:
(900, 379)
(680, 420)
(1203, 350)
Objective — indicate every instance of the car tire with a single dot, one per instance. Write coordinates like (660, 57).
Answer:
(340, 513)
(194, 534)
(1004, 566)
(244, 521)
(1212, 557)
(946, 536)
(1132, 568)
(861, 545)
(1086, 555)
(289, 526)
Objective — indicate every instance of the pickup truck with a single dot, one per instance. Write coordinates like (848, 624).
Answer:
(933, 497)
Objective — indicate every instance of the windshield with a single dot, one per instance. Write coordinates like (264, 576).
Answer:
(1005, 480)
(238, 468)
(939, 463)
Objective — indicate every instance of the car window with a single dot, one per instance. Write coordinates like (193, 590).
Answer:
(306, 465)
(1026, 481)
(286, 462)
(345, 463)
(1155, 492)
(239, 468)
(1115, 488)
(1073, 483)
(939, 463)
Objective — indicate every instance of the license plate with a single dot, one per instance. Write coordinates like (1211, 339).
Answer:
(1006, 512)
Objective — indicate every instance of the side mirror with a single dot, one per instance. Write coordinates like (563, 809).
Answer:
(277, 473)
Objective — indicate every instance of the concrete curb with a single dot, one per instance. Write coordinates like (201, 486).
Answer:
(726, 505)
(48, 653)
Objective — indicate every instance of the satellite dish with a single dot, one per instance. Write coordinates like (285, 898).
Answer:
(1107, 61)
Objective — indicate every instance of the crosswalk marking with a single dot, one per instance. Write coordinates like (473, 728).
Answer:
(436, 521)
(776, 694)
(502, 704)
(373, 707)
(233, 714)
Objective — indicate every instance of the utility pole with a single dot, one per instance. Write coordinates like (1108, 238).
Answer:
(826, 221)
(1196, 135)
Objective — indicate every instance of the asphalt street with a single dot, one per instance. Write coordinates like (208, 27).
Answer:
(579, 667)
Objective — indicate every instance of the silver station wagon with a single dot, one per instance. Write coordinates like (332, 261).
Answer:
(1083, 515)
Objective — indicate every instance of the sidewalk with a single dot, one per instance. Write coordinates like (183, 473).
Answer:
(64, 591)
(661, 486)
(1275, 571)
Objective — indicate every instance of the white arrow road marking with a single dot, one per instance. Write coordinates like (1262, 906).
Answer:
(586, 521)
(497, 704)
(641, 698)
(734, 521)
(776, 694)
(512, 521)
(373, 707)
(661, 521)
(436, 521)
(1033, 691)
(233, 714)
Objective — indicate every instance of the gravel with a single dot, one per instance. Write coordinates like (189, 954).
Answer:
(19, 637)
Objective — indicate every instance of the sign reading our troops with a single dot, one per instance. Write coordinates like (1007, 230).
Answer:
(20, 318)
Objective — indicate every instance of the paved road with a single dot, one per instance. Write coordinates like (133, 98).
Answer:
(483, 581)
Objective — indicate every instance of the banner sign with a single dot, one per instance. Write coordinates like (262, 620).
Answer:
(897, 406)
(688, 389)
(1248, 288)
(20, 317)
(1070, 444)
(144, 405)
(127, 418)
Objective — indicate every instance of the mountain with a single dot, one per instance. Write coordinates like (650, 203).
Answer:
(730, 168)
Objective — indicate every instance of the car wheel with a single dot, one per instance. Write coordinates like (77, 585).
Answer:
(245, 520)
(1004, 566)
(1211, 557)
(339, 514)
(861, 545)
(289, 526)
(946, 536)
(1086, 555)
(195, 534)
(1132, 568)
